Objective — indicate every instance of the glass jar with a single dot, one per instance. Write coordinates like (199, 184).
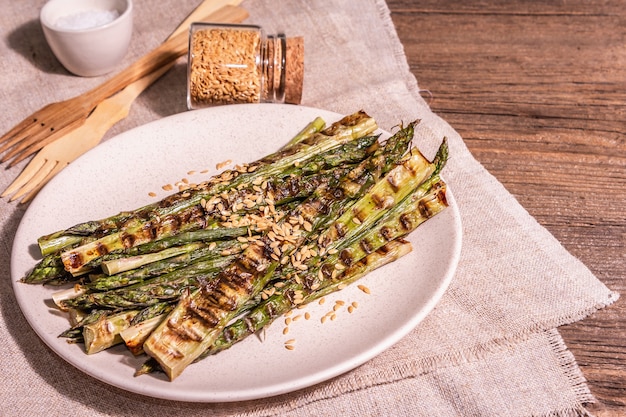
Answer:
(233, 63)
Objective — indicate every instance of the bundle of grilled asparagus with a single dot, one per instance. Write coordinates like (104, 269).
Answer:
(198, 271)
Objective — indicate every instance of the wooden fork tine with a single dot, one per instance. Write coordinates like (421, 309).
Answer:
(27, 147)
(38, 186)
(39, 176)
(27, 174)
(9, 137)
(42, 123)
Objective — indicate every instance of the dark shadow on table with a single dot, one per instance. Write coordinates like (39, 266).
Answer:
(29, 41)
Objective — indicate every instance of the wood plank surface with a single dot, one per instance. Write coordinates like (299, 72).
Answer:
(537, 89)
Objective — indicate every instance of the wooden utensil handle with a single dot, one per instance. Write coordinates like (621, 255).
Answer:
(166, 53)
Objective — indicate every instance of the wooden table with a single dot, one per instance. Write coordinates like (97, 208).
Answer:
(538, 92)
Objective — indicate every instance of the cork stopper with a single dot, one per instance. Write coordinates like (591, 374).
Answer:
(294, 70)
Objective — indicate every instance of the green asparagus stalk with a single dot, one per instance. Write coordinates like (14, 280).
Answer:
(50, 268)
(115, 266)
(218, 254)
(350, 127)
(105, 333)
(167, 287)
(317, 125)
(152, 311)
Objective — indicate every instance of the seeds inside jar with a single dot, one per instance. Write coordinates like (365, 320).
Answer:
(224, 68)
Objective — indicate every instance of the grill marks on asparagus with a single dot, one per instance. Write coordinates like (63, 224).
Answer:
(235, 286)
(168, 287)
(166, 344)
(348, 147)
(369, 251)
(280, 303)
(342, 132)
(405, 177)
(303, 216)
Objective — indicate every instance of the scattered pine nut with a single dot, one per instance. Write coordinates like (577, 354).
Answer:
(364, 289)
(221, 165)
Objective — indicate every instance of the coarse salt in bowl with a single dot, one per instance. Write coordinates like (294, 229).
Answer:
(89, 37)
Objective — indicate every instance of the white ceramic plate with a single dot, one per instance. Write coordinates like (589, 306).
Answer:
(119, 174)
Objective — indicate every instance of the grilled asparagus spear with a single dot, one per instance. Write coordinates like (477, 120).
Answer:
(198, 320)
(171, 285)
(327, 278)
(361, 255)
(338, 217)
(348, 128)
(260, 316)
(163, 287)
(294, 184)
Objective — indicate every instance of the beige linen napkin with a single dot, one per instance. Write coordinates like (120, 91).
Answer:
(489, 348)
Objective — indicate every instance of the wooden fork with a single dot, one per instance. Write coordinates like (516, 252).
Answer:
(57, 119)
(55, 156)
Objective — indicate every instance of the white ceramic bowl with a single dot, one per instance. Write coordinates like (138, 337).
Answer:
(89, 37)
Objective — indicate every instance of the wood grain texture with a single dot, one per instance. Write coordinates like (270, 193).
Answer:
(538, 92)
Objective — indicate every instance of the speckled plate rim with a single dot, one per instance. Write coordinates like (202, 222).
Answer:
(121, 173)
